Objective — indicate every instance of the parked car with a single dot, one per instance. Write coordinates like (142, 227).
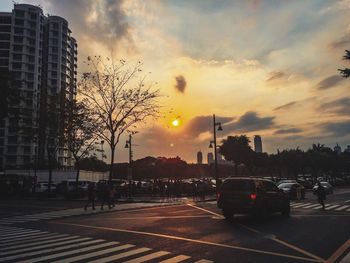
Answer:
(293, 190)
(253, 196)
(43, 187)
(327, 187)
(286, 181)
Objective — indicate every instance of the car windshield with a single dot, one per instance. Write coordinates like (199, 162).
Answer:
(238, 185)
(286, 185)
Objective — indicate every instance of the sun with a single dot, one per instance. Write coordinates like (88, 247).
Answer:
(175, 123)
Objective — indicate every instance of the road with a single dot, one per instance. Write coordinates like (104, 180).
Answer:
(187, 232)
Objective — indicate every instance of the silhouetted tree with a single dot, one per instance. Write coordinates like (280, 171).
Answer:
(346, 71)
(118, 98)
(79, 132)
(236, 149)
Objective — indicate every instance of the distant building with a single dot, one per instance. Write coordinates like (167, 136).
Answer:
(199, 157)
(210, 158)
(257, 144)
(337, 149)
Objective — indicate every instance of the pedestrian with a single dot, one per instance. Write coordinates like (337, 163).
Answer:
(321, 194)
(111, 200)
(91, 196)
(105, 195)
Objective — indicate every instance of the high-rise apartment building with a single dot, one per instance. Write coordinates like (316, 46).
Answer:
(257, 144)
(41, 55)
(210, 158)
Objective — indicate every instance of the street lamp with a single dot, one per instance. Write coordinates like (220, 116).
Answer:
(128, 145)
(215, 124)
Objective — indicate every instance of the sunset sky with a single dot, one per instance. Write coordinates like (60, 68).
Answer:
(263, 67)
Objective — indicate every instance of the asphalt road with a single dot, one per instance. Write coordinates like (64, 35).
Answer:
(192, 232)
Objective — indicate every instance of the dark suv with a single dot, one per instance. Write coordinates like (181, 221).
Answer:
(251, 196)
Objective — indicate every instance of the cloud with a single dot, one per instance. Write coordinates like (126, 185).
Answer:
(329, 82)
(250, 121)
(341, 42)
(338, 129)
(201, 124)
(104, 22)
(275, 75)
(339, 106)
(286, 106)
(180, 83)
(288, 131)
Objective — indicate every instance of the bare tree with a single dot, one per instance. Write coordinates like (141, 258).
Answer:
(79, 132)
(118, 98)
(346, 71)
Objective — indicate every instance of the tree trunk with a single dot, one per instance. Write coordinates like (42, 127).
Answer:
(111, 164)
(50, 174)
(77, 175)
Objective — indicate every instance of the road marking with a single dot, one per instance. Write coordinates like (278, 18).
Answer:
(176, 259)
(4, 236)
(346, 259)
(310, 206)
(34, 233)
(148, 257)
(317, 207)
(28, 239)
(342, 207)
(71, 252)
(53, 240)
(301, 205)
(121, 255)
(339, 252)
(272, 238)
(192, 240)
(331, 207)
(155, 217)
(75, 240)
(50, 250)
(204, 261)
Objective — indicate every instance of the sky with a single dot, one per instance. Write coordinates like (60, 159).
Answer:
(267, 68)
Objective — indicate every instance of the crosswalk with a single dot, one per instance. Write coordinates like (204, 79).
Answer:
(72, 212)
(30, 245)
(317, 206)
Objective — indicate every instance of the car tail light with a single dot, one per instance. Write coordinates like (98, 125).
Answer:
(218, 194)
(252, 196)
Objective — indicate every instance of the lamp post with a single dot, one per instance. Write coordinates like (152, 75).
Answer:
(128, 144)
(215, 150)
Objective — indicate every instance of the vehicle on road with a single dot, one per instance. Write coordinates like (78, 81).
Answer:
(293, 190)
(43, 187)
(253, 196)
(327, 187)
(286, 181)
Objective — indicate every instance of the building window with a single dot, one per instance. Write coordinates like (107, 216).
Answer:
(4, 36)
(55, 33)
(5, 45)
(5, 28)
(54, 65)
(4, 53)
(5, 20)
(19, 22)
(18, 40)
(17, 66)
(19, 13)
(17, 48)
(11, 149)
(18, 30)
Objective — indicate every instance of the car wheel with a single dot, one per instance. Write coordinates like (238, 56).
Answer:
(228, 214)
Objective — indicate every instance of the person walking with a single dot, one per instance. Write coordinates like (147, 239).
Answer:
(105, 195)
(91, 196)
(112, 193)
(321, 194)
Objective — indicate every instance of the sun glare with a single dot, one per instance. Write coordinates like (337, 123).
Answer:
(175, 123)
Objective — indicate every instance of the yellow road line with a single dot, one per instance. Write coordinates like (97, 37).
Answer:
(191, 240)
(272, 238)
(340, 251)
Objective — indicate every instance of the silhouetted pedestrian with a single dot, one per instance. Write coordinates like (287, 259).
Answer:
(321, 194)
(105, 195)
(111, 201)
(91, 196)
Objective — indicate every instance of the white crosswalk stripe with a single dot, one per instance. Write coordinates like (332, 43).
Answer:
(70, 212)
(316, 206)
(30, 246)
